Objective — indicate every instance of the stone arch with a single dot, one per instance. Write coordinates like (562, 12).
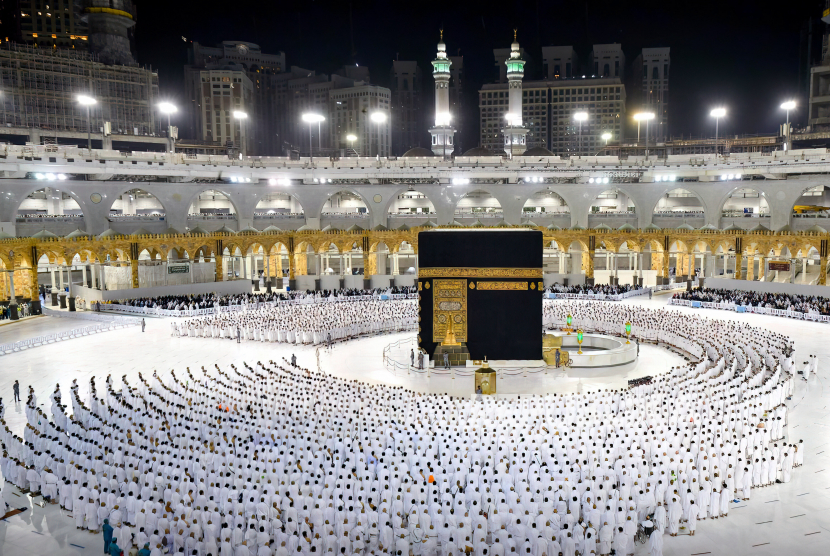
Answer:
(233, 208)
(272, 200)
(490, 207)
(817, 195)
(355, 196)
(118, 199)
(761, 196)
(548, 199)
(396, 207)
(628, 199)
(669, 190)
(28, 199)
(325, 245)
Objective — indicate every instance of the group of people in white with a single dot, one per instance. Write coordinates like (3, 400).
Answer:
(273, 459)
(305, 323)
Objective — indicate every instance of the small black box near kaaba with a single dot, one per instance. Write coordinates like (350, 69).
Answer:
(482, 289)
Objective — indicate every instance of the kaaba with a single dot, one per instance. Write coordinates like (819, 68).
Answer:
(482, 289)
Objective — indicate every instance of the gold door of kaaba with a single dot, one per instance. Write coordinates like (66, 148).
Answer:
(449, 305)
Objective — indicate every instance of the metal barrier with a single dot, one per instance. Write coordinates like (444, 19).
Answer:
(86, 315)
(798, 315)
(156, 311)
(47, 339)
(600, 296)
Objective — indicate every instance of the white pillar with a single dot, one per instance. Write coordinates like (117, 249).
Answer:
(12, 300)
(52, 272)
(83, 274)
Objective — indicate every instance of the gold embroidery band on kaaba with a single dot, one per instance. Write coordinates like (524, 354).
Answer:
(468, 272)
(499, 286)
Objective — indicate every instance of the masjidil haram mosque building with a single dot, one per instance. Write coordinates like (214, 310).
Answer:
(216, 328)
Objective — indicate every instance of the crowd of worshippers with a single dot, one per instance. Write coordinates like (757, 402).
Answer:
(305, 323)
(595, 289)
(22, 310)
(271, 459)
(783, 301)
(210, 300)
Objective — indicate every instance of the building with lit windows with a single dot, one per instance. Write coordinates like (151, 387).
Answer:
(651, 71)
(547, 113)
(354, 111)
(221, 93)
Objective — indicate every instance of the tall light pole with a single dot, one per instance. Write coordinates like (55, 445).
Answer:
(643, 117)
(717, 113)
(580, 117)
(351, 138)
(168, 108)
(789, 105)
(312, 118)
(379, 118)
(605, 137)
(241, 117)
(88, 101)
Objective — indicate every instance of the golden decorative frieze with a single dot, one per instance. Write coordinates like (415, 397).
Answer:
(468, 272)
(502, 286)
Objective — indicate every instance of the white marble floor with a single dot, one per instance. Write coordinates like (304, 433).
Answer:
(792, 518)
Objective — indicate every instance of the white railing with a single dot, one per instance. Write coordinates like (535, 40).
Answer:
(159, 312)
(673, 286)
(47, 339)
(798, 315)
(599, 296)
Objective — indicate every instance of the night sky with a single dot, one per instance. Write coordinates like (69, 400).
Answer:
(739, 54)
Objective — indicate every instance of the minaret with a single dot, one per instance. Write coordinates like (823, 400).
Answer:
(443, 132)
(514, 133)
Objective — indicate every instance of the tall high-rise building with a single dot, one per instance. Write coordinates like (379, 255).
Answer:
(110, 25)
(222, 92)
(104, 28)
(548, 108)
(408, 127)
(53, 24)
(818, 110)
(457, 106)
(651, 74)
(559, 62)
(265, 72)
(608, 60)
(443, 132)
(352, 111)
(40, 89)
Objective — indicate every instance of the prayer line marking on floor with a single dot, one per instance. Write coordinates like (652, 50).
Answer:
(762, 544)
(808, 534)
(799, 515)
(84, 548)
(762, 522)
(769, 501)
(700, 553)
(805, 494)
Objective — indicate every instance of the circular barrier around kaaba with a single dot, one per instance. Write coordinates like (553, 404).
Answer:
(598, 350)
